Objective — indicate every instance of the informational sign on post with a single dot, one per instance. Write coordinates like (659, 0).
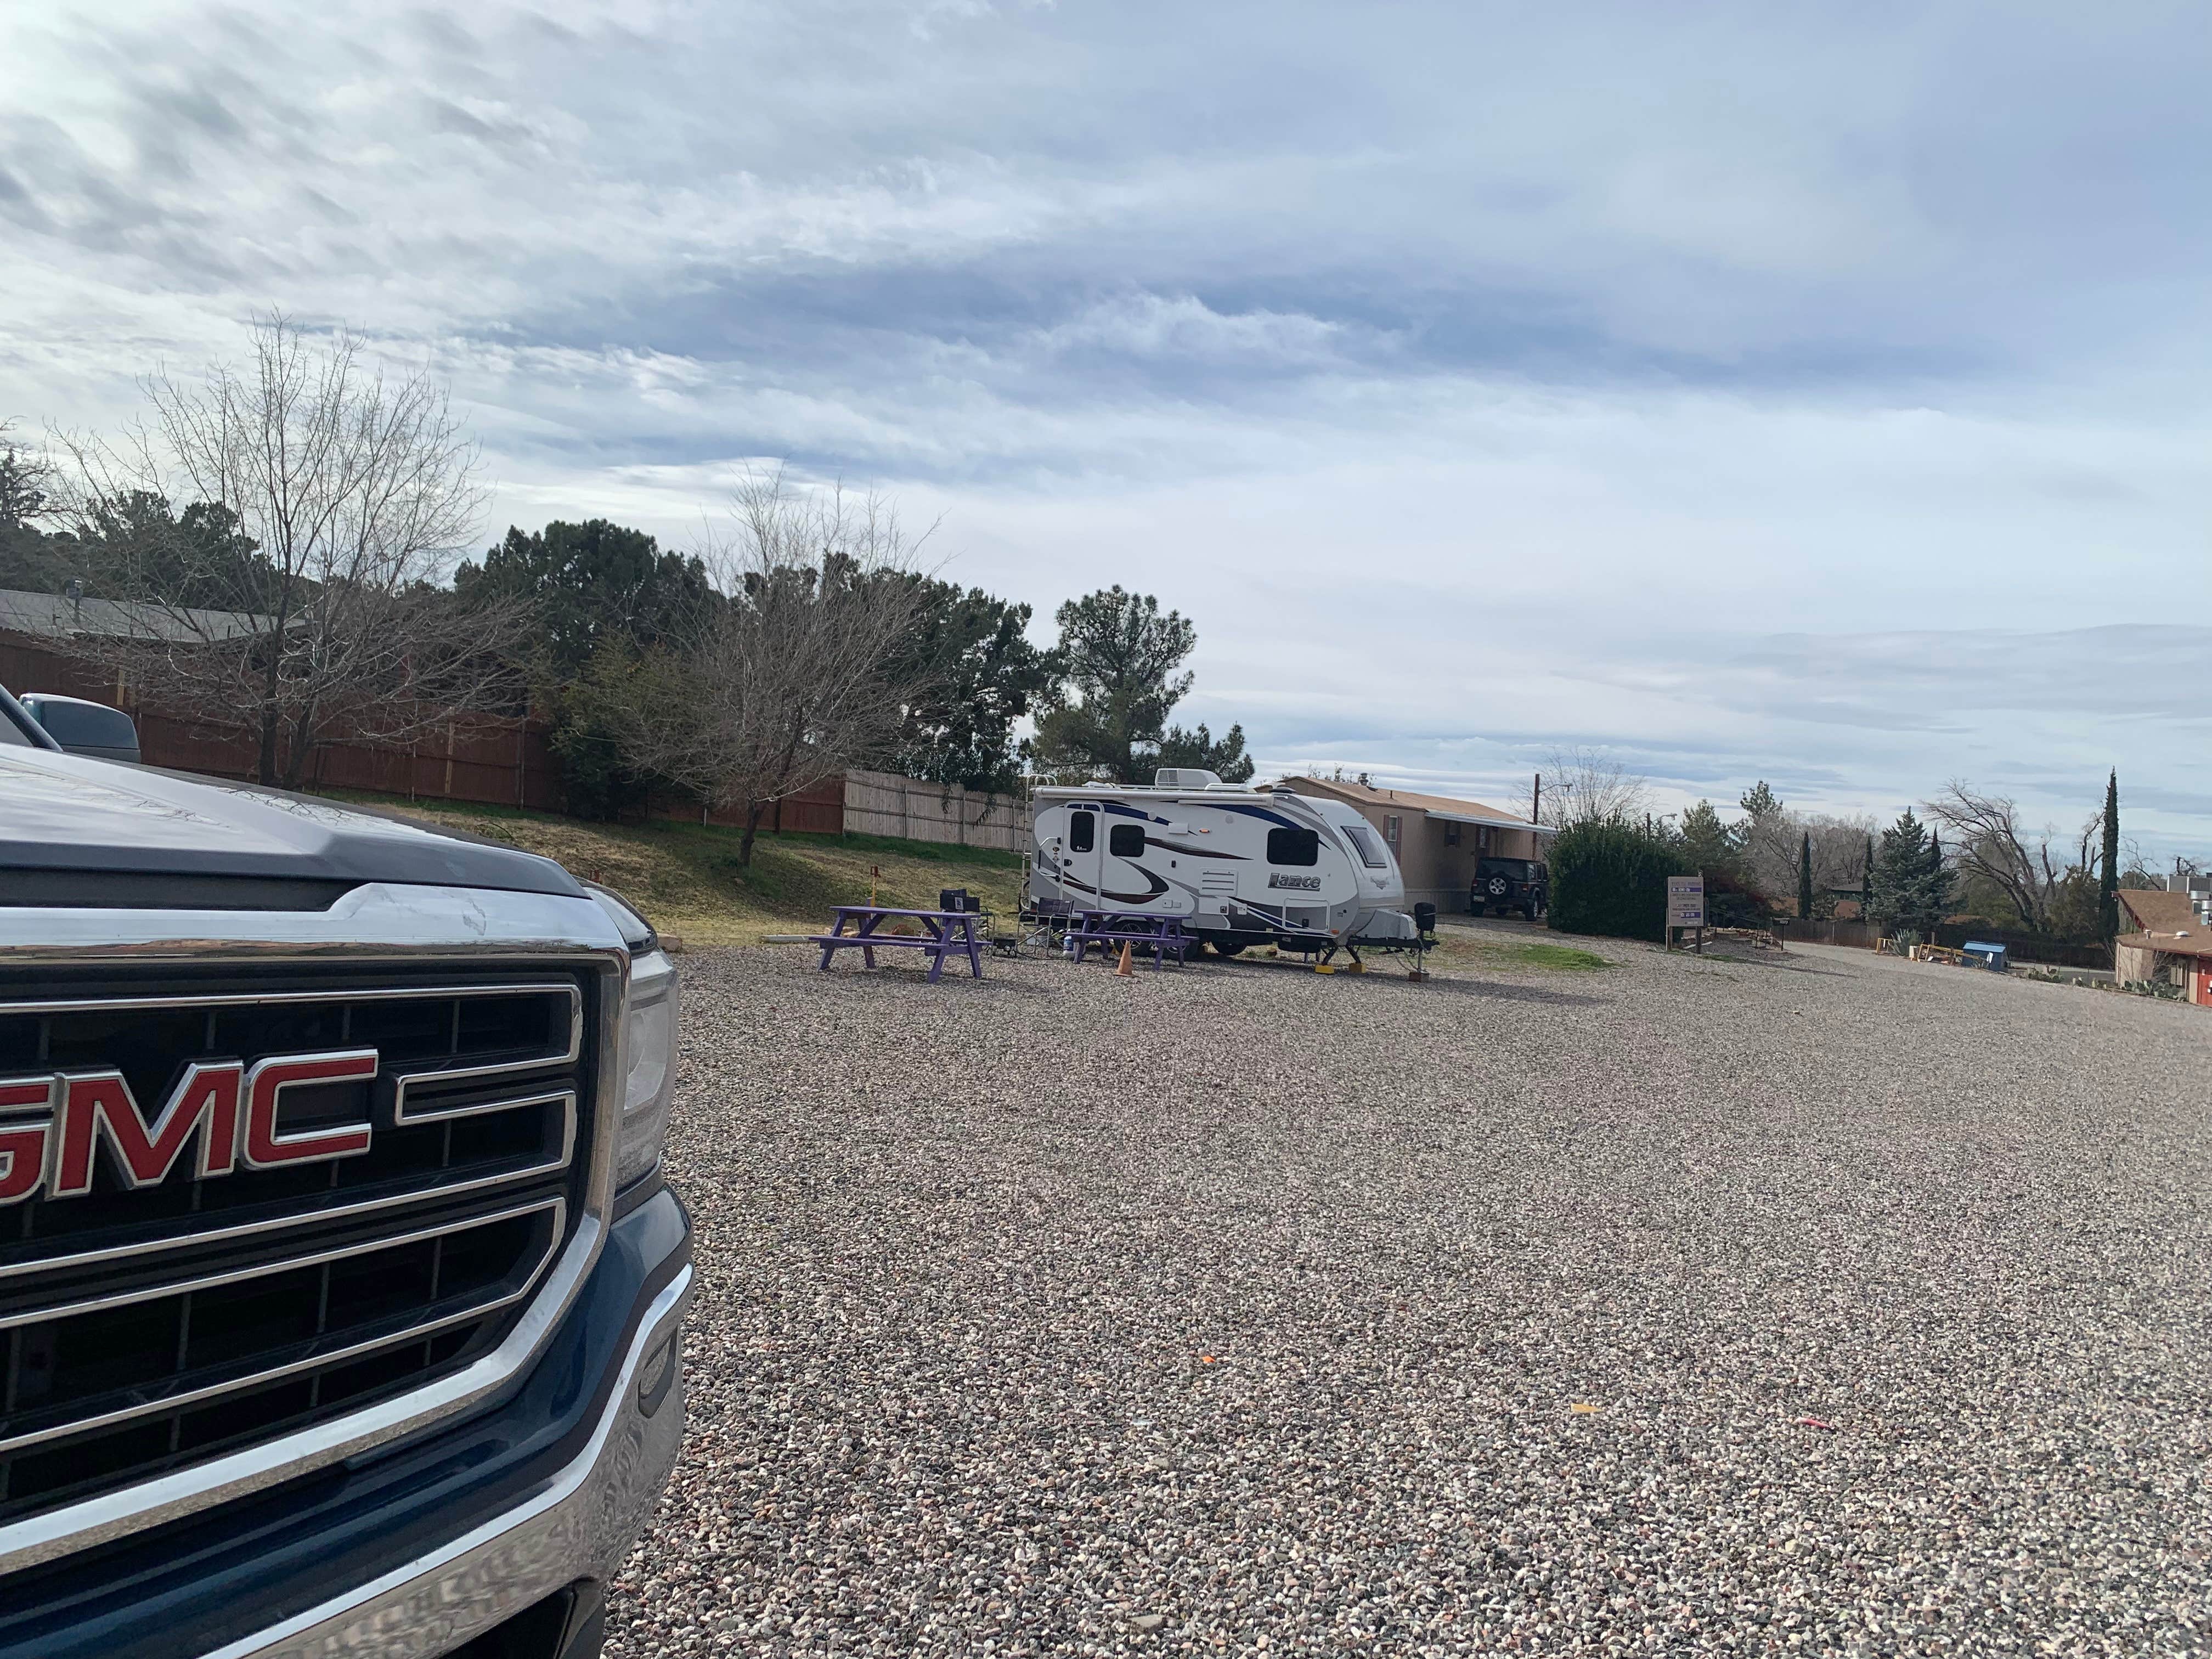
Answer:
(1685, 907)
(1686, 901)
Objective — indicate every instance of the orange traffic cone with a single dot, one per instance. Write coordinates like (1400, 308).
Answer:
(1125, 971)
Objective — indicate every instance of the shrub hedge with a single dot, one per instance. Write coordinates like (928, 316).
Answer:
(1611, 878)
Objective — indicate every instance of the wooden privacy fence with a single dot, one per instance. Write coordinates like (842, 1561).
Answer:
(884, 804)
(507, 761)
(2029, 947)
(818, 810)
(2018, 947)
(493, 759)
(1858, 934)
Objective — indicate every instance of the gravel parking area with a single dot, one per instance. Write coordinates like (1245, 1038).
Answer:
(1836, 1304)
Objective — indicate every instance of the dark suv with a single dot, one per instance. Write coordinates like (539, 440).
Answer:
(1503, 885)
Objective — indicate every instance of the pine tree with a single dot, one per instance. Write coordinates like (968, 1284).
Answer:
(1908, 885)
(1708, 844)
(1805, 876)
(2108, 872)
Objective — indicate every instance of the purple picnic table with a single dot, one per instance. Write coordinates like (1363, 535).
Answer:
(946, 933)
(1107, 928)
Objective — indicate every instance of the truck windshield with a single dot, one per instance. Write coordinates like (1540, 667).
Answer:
(1371, 848)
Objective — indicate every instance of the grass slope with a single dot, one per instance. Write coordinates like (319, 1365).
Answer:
(685, 878)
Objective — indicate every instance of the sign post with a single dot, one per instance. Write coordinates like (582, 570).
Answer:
(1685, 908)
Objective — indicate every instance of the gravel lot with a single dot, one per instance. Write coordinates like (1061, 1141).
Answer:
(1843, 1305)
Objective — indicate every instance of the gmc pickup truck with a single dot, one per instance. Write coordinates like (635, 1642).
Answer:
(339, 1288)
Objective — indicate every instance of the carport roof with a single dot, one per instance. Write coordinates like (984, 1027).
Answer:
(1442, 808)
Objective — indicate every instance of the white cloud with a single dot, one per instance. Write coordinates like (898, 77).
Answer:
(1479, 382)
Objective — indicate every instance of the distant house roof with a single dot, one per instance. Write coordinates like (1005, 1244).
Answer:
(1435, 806)
(2155, 912)
(55, 615)
(2189, 942)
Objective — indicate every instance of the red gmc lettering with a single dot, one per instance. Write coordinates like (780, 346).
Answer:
(96, 1104)
(51, 1128)
(23, 1142)
(263, 1147)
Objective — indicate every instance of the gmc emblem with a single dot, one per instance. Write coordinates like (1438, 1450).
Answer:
(228, 1108)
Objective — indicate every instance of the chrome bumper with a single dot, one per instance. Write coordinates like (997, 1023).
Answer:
(579, 1525)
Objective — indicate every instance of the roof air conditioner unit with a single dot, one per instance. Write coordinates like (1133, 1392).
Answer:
(1184, 777)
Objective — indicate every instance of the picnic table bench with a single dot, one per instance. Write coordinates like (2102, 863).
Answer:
(1107, 928)
(944, 933)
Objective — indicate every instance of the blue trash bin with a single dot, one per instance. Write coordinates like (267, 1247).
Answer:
(1991, 957)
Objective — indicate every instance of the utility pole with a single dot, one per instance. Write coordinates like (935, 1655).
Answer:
(1536, 800)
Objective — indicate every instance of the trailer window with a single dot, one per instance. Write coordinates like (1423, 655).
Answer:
(1371, 850)
(1081, 831)
(1299, 847)
(1126, 841)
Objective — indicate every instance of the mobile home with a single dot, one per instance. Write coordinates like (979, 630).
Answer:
(1237, 865)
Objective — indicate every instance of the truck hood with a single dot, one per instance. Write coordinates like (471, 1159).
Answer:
(67, 813)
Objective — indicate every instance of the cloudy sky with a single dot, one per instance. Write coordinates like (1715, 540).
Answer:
(1818, 394)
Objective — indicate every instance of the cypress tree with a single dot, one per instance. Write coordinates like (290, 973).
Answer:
(1805, 876)
(2108, 872)
(1936, 890)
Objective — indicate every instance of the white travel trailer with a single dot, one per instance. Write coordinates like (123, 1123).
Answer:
(1236, 865)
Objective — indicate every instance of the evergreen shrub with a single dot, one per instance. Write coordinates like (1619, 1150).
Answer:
(1610, 877)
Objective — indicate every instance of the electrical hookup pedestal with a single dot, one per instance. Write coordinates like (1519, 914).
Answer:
(1686, 910)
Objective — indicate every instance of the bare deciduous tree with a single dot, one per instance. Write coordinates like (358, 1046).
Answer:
(1581, 786)
(1839, 861)
(796, 670)
(305, 601)
(1990, 846)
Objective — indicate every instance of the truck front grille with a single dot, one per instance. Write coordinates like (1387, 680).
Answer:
(149, 1324)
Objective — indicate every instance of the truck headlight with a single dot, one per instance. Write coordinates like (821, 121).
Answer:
(648, 1065)
(648, 1055)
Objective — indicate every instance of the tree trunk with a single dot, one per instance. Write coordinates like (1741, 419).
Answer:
(303, 745)
(753, 810)
(267, 771)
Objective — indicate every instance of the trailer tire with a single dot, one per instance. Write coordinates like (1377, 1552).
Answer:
(1226, 947)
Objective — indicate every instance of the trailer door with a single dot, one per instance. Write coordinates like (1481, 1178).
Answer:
(1085, 859)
